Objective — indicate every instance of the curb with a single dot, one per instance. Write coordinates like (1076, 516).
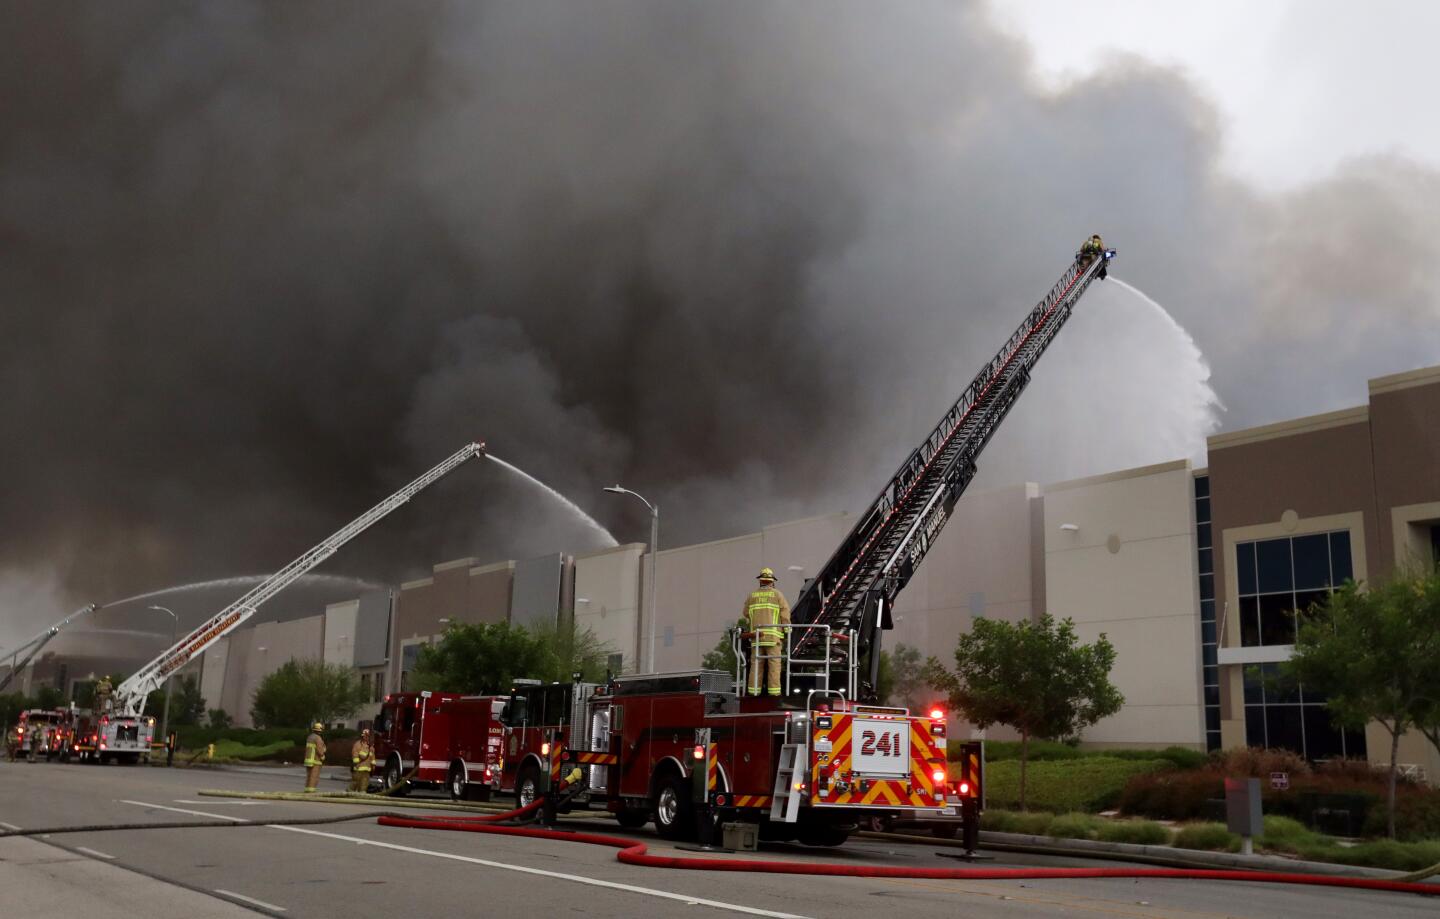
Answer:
(1169, 855)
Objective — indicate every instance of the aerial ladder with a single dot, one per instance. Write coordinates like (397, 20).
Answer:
(129, 699)
(35, 644)
(856, 588)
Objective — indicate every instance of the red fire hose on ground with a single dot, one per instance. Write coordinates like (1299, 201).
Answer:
(633, 852)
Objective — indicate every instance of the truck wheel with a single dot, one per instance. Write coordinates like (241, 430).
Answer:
(632, 818)
(824, 836)
(394, 781)
(527, 789)
(674, 815)
(457, 784)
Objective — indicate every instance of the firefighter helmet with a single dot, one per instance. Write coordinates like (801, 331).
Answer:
(317, 726)
(766, 574)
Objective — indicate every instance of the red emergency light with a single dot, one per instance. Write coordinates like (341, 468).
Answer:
(939, 776)
(699, 751)
(937, 714)
(965, 788)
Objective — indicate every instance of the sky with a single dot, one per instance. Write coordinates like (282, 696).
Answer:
(266, 261)
(1300, 85)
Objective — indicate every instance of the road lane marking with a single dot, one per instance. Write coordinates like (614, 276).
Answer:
(577, 878)
(251, 900)
(235, 803)
(94, 852)
(9, 826)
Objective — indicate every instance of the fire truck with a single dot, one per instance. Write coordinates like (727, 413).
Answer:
(113, 736)
(53, 731)
(477, 746)
(816, 761)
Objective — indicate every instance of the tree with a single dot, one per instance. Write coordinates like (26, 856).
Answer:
(304, 691)
(904, 679)
(187, 706)
(489, 657)
(721, 657)
(218, 718)
(1374, 654)
(1033, 676)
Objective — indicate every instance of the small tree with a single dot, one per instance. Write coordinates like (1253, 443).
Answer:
(187, 706)
(479, 658)
(1375, 654)
(720, 657)
(218, 718)
(904, 679)
(304, 691)
(1033, 676)
(571, 650)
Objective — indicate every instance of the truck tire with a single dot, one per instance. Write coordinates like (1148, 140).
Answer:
(394, 779)
(632, 818)
(828, 836)
(674, 814)
(456, 784)
(527, 789)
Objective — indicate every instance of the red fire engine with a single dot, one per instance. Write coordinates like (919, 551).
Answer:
(50, 740)
(440, 740)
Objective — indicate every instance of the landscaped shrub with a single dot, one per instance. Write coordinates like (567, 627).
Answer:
(1036, 823)
(1088, 784)
(1388, 853)
(1075, 826)
(1002, 750)
(1137, 832)
(1211, 837)
(1181, 757)
(1253, 762)
(1174, 795)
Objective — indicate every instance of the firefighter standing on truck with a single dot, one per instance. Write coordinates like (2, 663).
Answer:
(104, 689)
(764, 609)
(362, 762)
(314, 756)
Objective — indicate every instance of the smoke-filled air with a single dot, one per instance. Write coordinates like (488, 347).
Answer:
(265, 262)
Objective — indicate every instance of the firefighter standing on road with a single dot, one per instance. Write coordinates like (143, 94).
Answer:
(764, 609)
(34, 743)
(362, 762)
(12, 742)
(314, 756)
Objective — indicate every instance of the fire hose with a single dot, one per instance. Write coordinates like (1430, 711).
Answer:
(633, 852)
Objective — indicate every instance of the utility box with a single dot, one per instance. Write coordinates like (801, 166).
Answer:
(1242, 807)
(742, 837)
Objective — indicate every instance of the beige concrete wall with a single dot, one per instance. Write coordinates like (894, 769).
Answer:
(340, 620)
(256, 653)
(607, 598)
(460, 590)
(1405, 428)
(1129, 571)
(212, 673)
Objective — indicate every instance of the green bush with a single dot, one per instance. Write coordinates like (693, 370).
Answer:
(999, 751)
(1211, 837)
(1173, 795)
(1005, 821)
(1388, 853)
(1088, 784)
(1137, 832)
(1075, 826)
(1180, 757)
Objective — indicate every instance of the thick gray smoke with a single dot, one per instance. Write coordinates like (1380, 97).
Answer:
(264, 262)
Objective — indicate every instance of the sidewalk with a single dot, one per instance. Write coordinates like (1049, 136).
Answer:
(70, 884)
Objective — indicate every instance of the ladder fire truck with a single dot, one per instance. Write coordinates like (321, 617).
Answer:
(814, 762)
(123, 733)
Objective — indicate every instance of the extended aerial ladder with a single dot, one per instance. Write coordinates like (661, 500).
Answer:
(130, 695)
(856, 587)
(34, 645)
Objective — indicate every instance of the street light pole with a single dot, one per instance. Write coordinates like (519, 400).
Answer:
(170, 680)
(654, 551)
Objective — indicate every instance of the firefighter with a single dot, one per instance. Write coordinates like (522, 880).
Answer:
(314, 756)
(764, 609)
(1091, 248)
(34, 738)
(12, 742)
(103, 689)
(362, 762)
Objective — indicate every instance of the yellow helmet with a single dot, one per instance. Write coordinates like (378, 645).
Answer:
(317, 726)
(766, 574)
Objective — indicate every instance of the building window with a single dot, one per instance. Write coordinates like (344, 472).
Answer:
(1276, 577)
(365, 687)
(1286, 716)
(379, 687)
(1209, 670)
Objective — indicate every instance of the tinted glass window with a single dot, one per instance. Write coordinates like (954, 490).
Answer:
(1354, 743)
(1207, 610)
(1207, 564)
(1202, 534)
(1207, 632)
(1272, 565)
(1207, 654)
(1322, 739)
(1312, 561)
(1249, 621)
(1245, 567)
(1202, 486)
(1340, 568)
(1278, 688)
(1212, 719)
(1283, 727)
(1202, 510)
(1255, 726)
(1207, 586)
(1212, 695)
(1305, 599)
(1277, 619)
(1253, 694)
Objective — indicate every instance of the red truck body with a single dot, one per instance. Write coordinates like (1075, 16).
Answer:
(440, 740)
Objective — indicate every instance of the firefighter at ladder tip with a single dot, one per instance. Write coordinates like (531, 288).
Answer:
(362, 762)
(764, 609)
(314, 756)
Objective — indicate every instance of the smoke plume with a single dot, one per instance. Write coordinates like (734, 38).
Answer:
(266, 261)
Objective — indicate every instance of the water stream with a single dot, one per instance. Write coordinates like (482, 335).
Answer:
(569, 505)
(330, 581)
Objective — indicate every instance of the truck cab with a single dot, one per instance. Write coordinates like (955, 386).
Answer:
(534, 716)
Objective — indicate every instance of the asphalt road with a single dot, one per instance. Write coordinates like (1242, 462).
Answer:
(359, 868)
